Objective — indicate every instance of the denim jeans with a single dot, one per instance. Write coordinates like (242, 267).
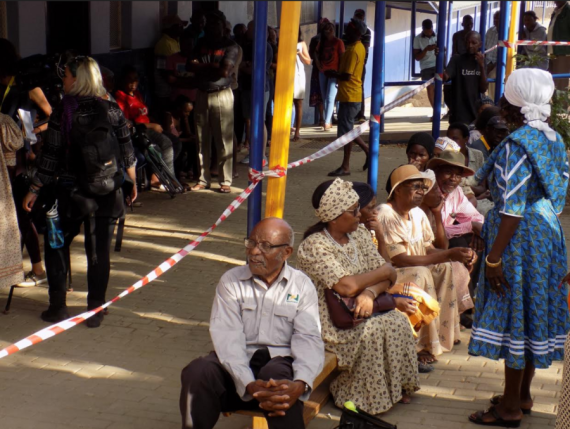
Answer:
(328, 92)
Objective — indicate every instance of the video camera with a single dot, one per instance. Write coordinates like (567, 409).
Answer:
(41, 71)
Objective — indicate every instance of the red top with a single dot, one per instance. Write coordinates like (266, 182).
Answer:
(330, 53)
(133, 107)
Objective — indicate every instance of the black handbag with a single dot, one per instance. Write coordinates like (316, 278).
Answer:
(341, 308)
(361, 420)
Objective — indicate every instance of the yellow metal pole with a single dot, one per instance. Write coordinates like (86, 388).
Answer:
(288, 35)
(511, 52)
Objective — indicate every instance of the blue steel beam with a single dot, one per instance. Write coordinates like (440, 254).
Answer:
(341, 21)
(502, 52)
(439, 69)
(377, 91)
(257, 118)
(483, 23)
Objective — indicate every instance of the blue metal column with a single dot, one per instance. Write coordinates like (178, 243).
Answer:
(319, 10)
(483, 24)
(475, 17)
(341, 21)
(377, 91)
(412, 37)
(448, 35)
(502, 52)
(257, 119)
(441, 18)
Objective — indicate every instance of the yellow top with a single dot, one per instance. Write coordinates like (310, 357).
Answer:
(166, 46)
(352, 62)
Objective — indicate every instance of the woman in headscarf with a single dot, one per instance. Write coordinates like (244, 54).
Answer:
(376, 358)
(521, 312)
(420, 150)
(409, 241)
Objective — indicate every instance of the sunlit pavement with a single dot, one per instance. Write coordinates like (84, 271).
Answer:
(125, 374)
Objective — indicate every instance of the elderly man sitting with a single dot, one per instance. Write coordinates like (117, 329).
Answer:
(267, 339)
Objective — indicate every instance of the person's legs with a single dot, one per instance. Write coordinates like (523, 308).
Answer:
(202, 122)
(207, 390)
(298, 118)
(165, 146)
(246, 112)
(98, 236)
(57, 267)
(346, 113)
(222, 123)
(360, 115)
(281, 368)
(560, 65)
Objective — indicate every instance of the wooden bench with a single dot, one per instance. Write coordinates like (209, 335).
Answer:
(317, 400)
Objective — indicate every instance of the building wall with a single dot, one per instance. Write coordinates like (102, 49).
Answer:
(27, 26)
(99, 13)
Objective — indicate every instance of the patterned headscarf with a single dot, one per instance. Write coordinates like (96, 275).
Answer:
(336, 200)
(445, 143)
(531, 90)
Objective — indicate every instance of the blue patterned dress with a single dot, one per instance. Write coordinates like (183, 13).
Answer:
(527, 176)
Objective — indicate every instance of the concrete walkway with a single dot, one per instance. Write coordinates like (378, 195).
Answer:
(125, 375)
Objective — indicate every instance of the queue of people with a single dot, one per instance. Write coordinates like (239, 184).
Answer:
(383, 287)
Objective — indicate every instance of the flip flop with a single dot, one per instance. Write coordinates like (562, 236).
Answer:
(199, 187)
(424, 368)
(339, 172)
(225, 189)
(496, 399)
(477, 418)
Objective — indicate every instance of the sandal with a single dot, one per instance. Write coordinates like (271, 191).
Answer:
(496, 399)
(425, 354)
(225, 189)
(406, 399)
(199, 187)
(424, 368)
(456, 342)
(477, 418)
(339, 172)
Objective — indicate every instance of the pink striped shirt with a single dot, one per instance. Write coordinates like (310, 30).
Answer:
(458, 208)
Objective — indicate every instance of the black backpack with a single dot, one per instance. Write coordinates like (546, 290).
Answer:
(95, 149)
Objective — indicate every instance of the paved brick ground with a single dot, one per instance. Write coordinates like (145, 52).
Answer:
(125, 375)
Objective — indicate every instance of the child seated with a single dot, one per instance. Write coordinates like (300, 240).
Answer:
(178, 122)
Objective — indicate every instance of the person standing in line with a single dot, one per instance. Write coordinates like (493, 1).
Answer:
(521, 311)
(491, 39)
(534, 31)
(212, 63)
(469, 81)
(425, 51)
(246, 83)
(459, 38)
(327, 60)
(366, 40)
(167, 45)
(350, 91)
(559, 31)
(301, 60)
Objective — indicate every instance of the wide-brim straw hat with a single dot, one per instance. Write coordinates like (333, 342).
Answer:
(405, 173)
(449, 157)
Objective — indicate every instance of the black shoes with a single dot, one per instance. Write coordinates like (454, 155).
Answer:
(55, 314)
(95, 321)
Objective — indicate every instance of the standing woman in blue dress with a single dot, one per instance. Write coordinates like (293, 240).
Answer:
(521, 312)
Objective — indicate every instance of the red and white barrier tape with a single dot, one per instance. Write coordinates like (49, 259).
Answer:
(507, 44)
(255, 177)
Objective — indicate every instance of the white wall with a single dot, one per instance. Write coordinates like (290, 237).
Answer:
(100, 26)
(329, 10)
(145, 29)
(27, 26)
(185, 10)
(237, 12)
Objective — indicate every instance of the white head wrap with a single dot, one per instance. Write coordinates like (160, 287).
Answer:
(445, 143)
(531, 90)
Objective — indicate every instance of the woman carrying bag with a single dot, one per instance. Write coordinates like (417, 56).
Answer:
(88, 151)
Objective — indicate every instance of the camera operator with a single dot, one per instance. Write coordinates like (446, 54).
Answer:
(13, 99)
(84, 197)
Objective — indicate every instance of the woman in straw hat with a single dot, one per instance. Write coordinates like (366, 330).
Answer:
(377, 358)
(409, 243)
(521, 312)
